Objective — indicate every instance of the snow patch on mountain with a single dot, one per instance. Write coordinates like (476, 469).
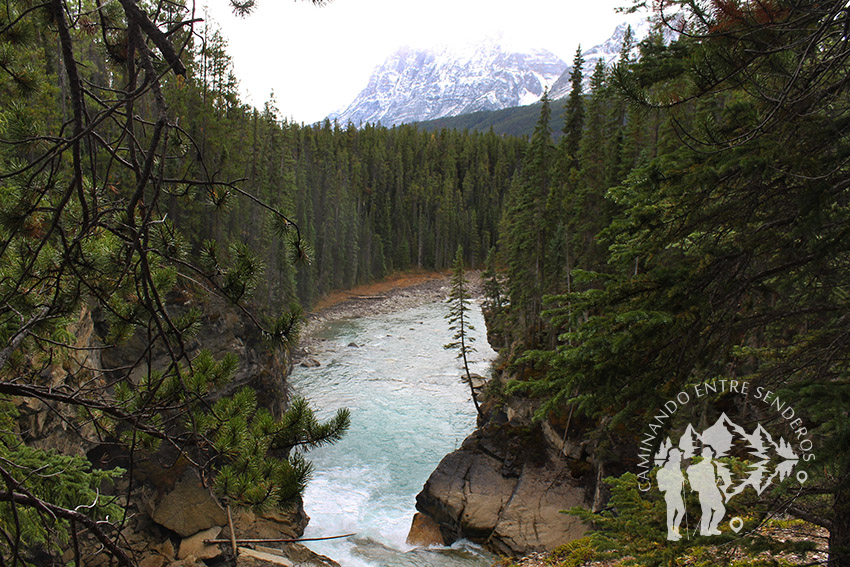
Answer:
(416, 84)
(608, 52)
(419, 84)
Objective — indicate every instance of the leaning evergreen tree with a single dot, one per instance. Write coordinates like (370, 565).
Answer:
(458, 317)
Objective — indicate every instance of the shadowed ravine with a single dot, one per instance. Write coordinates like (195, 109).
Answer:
(409, 408)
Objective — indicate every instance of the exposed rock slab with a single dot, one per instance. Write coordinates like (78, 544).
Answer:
(505, 488)
(189, 508)
(304, 557)
(533, 519)
(272, 524)
(194, 545)
(424, 531)
(285, 555)
(153, 561)
(248, 556)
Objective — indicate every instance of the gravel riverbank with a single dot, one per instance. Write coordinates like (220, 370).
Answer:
(393, 294)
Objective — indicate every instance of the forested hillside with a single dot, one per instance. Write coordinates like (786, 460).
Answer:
(689, 224)
(158, 241)
(695, 217)
(518, 121)
(367, 201)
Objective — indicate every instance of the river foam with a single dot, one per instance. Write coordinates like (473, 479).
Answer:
(409, 408)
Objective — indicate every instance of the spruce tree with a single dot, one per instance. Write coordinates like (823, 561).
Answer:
(627, 46)
(574, 113)
(524, 230)
(493, 295)
(724, 251)
(458, 317)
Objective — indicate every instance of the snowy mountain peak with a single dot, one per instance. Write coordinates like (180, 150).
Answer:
(419, 84)
(608, 52)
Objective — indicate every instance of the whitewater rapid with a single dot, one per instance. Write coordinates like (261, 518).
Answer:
(409, 408)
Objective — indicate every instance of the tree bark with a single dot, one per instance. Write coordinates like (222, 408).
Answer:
(839, 535)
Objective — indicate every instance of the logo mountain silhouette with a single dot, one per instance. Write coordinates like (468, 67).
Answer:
(769, 459)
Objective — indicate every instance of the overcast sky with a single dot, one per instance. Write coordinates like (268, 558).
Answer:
(316, 59)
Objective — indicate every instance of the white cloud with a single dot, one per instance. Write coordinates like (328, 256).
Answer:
(316, 59)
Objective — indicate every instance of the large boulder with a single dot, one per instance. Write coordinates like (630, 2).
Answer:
(424, 531)
(270, 524)
(189, 508)
(505, 488)
(194, 546)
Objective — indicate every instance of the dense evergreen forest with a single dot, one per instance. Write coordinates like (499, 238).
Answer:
(367, 201)
(695, 229)
(690, 223)
(135, 188)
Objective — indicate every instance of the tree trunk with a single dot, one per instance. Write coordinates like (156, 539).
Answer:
(839, 536)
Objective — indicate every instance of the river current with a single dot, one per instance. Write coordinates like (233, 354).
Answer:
(409, 408)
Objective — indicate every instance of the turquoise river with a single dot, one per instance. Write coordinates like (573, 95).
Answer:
(409, 408)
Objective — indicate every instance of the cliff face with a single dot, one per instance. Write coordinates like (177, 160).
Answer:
(508, 484)
(47, 426)
(171, 509)
(224, 329)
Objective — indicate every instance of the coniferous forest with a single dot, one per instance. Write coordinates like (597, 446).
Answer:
(689, 224)
(696, 216)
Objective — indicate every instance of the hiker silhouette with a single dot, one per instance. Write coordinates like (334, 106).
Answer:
(703, 479)
(671, 482)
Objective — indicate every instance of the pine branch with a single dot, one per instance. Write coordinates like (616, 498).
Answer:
(140, 18)
(59, 512)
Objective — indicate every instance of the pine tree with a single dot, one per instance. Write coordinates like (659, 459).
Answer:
(524, 230)
(458, 317)
(574, 114)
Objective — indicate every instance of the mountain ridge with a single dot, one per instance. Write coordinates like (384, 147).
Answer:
(608, 52)
(417, 84)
